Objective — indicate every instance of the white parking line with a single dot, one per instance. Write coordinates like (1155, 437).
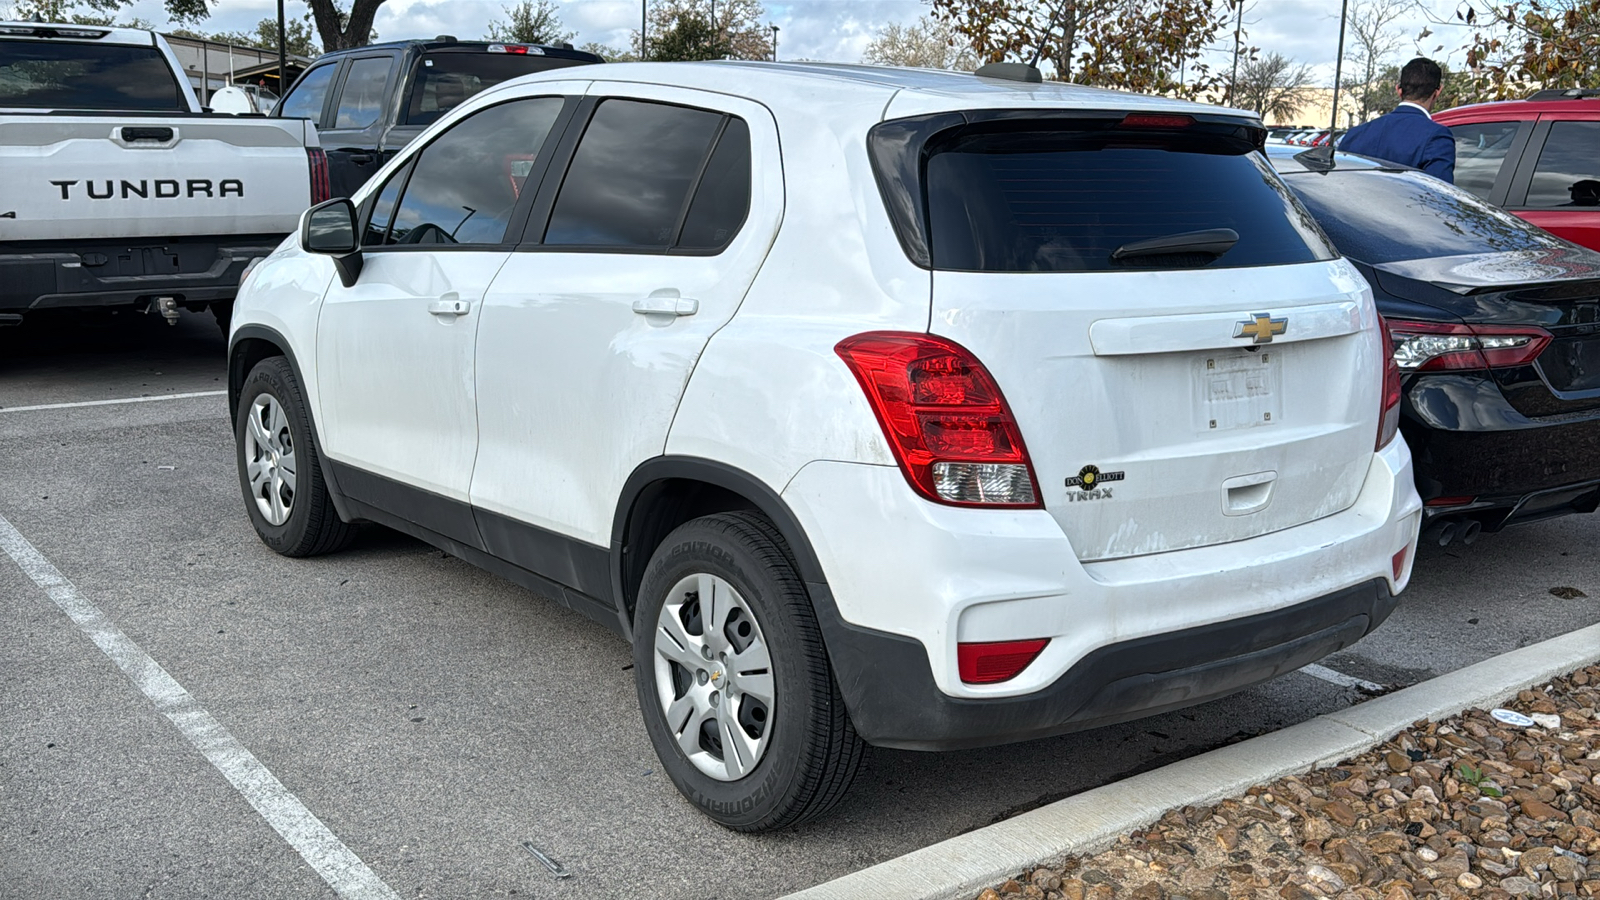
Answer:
(338, 866)
(12, 409)
(1341, 679)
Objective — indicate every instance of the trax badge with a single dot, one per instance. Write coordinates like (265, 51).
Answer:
(1089, 483)
(1261, 328)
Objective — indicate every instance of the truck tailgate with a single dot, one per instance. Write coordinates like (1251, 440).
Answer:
(72, 177)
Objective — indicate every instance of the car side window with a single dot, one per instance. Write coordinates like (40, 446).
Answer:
(1568, 172)
(361, 99)
(1481, 149)
(466, 183)
(383, 208)
(722, 200)
(631, 175)
(305, 101)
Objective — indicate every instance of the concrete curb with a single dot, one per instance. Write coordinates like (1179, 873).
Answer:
(957, 869)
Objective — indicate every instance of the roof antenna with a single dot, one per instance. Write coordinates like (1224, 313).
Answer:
(1320, 159)
(1028, 72)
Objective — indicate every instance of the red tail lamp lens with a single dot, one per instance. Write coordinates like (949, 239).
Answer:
(321, 187)
(1389, 411)
(996, 661)
(1151, 120)
(950, 429)
(1441, 346)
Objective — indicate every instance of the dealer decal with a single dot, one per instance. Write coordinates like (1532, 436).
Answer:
(1091, 484)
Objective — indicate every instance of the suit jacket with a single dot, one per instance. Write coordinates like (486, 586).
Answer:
(1408, 137)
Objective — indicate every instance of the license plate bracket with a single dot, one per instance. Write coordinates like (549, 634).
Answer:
(1238, 388)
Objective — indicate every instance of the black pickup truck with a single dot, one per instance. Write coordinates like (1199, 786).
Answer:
(369, 102)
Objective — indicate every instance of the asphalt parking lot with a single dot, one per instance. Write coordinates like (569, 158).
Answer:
(433, 717)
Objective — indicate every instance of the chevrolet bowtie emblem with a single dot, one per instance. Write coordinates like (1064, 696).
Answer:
(1261, 328)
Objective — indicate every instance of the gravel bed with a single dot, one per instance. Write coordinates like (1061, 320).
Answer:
(1465, 807)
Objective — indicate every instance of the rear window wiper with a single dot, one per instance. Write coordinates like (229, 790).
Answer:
(1215, 241)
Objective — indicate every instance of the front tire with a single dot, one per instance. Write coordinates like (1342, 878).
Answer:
(734, 684)
(279, 470)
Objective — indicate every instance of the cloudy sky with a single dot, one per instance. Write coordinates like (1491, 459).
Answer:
(832, 30)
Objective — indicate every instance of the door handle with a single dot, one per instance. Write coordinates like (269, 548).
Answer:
(359, 157)
(666, 306)
(450, 305)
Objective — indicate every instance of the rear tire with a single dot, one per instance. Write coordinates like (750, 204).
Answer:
(279, 470)
(764, 741)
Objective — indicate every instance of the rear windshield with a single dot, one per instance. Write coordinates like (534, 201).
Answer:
(1066, 201)
(443, 80)
(54, 75)
(1378, 216)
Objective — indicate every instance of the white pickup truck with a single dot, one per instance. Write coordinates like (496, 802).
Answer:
(118, 190)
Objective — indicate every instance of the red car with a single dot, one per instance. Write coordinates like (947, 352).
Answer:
(1538, 158)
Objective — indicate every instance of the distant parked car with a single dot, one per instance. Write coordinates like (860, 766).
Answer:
(369, 102)
(1495, 326)
(1538, 158)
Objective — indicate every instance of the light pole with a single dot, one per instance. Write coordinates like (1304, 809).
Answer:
(774, 42)
(644, 10)
(283, 56)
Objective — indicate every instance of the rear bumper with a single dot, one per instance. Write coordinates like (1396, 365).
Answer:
(909, 580)
(192, 270)
(894, 702)
(1467, 440)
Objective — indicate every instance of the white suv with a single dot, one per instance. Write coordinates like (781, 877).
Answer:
(874, 406)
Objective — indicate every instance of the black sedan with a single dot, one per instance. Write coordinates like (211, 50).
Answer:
(1495, 325)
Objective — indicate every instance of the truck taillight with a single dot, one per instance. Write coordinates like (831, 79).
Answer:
(1441, 346)
(1389, 412)
(947, 423)
(321, 187)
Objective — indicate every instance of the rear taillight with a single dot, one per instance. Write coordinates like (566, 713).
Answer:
(1389, 416)
(997, 661)
(321, 188)
(507, 48)
(1439, 346)
(1156, 120)
(950, 429)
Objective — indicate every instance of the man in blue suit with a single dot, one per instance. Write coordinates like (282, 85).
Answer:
(1409, 136)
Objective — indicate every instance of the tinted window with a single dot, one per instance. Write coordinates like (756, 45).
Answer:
(442, 80)
(1481, 149)
(1065, 201)
(383, 208)
(305, 100)
(467, 182)
(631, 174)
(723, 198)
(362, 96)
(1568, 173)
(1380, 216)
(40, 75)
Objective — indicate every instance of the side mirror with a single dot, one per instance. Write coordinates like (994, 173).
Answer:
(329, 229)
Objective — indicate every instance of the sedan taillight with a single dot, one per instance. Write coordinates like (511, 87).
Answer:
(1439, 346)
(949, 427)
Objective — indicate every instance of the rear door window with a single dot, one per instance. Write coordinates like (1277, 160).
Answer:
(466, 184)
(1380, 216)
(1568, 172)
(1066, 200)
(442, 80)
(632, 175)
(51, 75)
(1481, 149)
(361, 98)
(306, 99)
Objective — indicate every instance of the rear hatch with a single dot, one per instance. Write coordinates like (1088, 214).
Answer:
(1186, 361)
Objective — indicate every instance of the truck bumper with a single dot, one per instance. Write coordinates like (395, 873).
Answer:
(104, 274)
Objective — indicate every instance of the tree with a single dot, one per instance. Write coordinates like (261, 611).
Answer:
(926, 43)
(611, 54)
(531, 22)
(1136, 45)
(1273, 86)
(738, 30)
(1521, 45)
(1373, 42)
(102, 12)
(338, 29)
